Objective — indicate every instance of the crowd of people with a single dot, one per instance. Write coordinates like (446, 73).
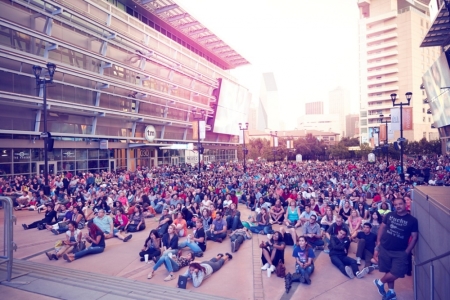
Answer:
(312, 206)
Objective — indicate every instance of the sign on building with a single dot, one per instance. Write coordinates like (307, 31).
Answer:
(150, 133)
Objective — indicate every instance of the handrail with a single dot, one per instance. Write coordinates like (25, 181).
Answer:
(433, 259)
(9, 244)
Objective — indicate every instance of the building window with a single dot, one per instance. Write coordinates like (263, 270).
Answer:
(423, 119)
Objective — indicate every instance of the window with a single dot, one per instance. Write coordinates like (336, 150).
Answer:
(423, 110)
(423, 119)
(429, 120)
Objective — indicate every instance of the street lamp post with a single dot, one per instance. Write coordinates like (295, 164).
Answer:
(37, 70)
(243, 128)
(274, 134)
(401, 140)
(386, 141)
(199, 117)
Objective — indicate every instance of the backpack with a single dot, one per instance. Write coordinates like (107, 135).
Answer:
(281, 269)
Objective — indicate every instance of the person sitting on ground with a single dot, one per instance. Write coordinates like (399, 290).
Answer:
(306, 215)
(137, 220)
(152, 246)
(263, 226)
(180, 225)
(334, 229)
(49, 219)
(106, 225)
(277, 213)
(354, 224)
(164, 221)
(345, 210)
(288, 237)
(339, 245)
(292, 218)
(238, 236)
(218, 230)
(77, 216)
(233, 218)
(120, 219)
(169, 247)
(313, 233)
(328, 219)
(196, 243)
(304, 259)
(73, 236)
(366, 245)
(272, 252)
(206, 219)
(174, 264)
(101, 204)
(23, 200)
(97, 239)
(197, 272)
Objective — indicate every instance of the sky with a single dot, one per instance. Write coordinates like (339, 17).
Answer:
(311, 46)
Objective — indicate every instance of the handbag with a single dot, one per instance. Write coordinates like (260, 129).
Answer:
(79, 246)
(281, 269)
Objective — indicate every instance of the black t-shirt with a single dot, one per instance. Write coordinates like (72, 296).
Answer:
(398, 231)
(200, 233)
(371, 240)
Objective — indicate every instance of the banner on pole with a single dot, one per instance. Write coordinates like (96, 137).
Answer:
(395, 118)
(195, 130)
(202, 130)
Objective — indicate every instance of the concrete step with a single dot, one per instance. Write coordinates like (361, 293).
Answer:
(122, 287)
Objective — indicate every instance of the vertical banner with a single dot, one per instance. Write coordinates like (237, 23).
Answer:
(195, 130)
(376, 140)
(275, 139)
(390, 132)
(395, 118)
(407, 118)
(288, 144)
(382, 132)
(202, 130)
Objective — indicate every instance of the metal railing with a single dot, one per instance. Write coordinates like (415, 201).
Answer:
(431, 260)
(9, 245)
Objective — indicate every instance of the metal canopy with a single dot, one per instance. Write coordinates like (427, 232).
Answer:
(176, 17)
(439, 33)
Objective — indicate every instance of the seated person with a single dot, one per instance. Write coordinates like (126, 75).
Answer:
(233, 217)
(197, 243)
(384, 209)
(292, 218)
(328, 219)
(174, 264)
(339, 245)
(304, 259)
(354, 223)
(238, 236)
(180, 225)
(366, 245)
(106, 225)
(73, 236)
(77, 216)
(263, 226)
(152, 246)
(198, 272)
(149, 211)
(306, 214)
(334, 228)
(23, 200)
(120, 219)
(164, 221)
(97, 239)
(137, 221)
(313, 233)
(169, 247)
(101, 204)
(272, 252)
(218, 230)
(277, 213)
(49, 219)
(288, 237)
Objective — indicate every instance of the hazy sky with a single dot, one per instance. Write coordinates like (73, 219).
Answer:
(310, 46)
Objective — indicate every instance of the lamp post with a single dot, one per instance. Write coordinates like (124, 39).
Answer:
(199, 117)
(274, 134)
(386, 141)
(243, 128)
(42, 81)
(401, 140)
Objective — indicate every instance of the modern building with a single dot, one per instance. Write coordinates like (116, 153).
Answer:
(129, 75)
(324, 122)
(314, 108)
(352, 125)
(391, 61)
(339, 104)
(268, 116)
(328, 138)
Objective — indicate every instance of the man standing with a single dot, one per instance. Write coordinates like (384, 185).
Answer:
(396, 238)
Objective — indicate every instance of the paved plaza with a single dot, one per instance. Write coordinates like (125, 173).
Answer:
(117, 273)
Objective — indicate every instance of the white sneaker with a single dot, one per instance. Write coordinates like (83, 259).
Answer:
(269, 236)
(265, 267)
(272, 268)
(358, 260)
(269, 272)
(362, 273)
(349, 272)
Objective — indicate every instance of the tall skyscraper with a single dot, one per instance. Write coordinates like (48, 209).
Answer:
(314, 108)
(339, 104)
(268, 107)
(352, 124)
(390, 32)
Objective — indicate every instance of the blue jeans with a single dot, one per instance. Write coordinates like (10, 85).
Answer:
(258, 228)
(163, 258)
(234, 223)
(158, 208)
(171, 265)
(90, 250)
(192, 245)
(315, 242)
(309, 269)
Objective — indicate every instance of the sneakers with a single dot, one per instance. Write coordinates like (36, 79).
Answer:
(307, 280)
(269, 236)
(265, 267)
(55, 232)
(349, 272)
(169, 277)
(25, 226)
(150, 275)
(127, 238)
(390, 296)
(358, 261)
(380, 287)
(362, 273)
(372, 268)
(233, 246)
(269, 272)
(49, 256)
(230, 257)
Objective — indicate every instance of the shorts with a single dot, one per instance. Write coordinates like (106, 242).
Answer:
(394, 262)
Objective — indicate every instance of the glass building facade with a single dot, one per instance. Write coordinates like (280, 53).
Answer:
(117, 72)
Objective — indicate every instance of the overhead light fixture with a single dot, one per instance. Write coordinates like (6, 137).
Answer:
(4, 153)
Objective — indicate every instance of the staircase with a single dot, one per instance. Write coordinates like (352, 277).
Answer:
(71, 284)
